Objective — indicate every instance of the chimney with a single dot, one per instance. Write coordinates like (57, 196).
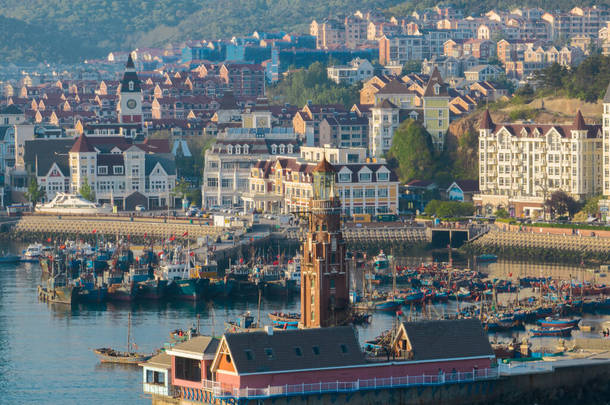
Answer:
(269, 330)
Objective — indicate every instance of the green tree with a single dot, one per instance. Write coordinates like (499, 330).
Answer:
(412, 152)
(87, 191)
(501, 213)
(560, 203)
(411, 66)
(449, 209)
(35, 193)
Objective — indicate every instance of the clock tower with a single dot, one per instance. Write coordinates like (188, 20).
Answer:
(130, 96)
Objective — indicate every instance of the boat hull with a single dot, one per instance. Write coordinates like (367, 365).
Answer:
(122, 292)
(152, 289)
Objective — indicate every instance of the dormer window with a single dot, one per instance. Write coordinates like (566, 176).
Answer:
(282, 149)
(102, 170)
(437, 89)
(246, 149)
(383, 176)
(130, 84)
(345, 177)
(117, 169)
(229, 149)
(237, 150)
(290, 149)
(273, 149)
(365, 176)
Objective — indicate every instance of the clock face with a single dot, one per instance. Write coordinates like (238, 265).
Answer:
(131, 104)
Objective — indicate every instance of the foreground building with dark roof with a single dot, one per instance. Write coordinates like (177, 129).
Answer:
(521, 164)
(119, 170)
(270, 364)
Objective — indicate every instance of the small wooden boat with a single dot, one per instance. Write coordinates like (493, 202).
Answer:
(108, 355)
(285, 320)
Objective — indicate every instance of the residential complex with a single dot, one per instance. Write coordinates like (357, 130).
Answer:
(522, 164)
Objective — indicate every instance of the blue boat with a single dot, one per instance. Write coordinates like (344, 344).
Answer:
(381, 262)
(558, 323)
(282, 320)
(549, 332)
(388, 305)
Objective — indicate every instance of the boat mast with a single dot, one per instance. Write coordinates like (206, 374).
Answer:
(129, 332)
(258, 322)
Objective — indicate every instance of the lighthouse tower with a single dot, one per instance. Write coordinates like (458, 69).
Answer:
(324, 268)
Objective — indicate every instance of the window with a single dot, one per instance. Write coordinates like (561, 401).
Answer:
(227, 183)
(370, 192)
(364, 176)
(249, 354)
(212, 182)
(269, 352)
(188, 369)
(357, 193)
(332, 284)
(155, 377)
(383, 176)
(345, 177)
(382, 192)
(315, 350)
(117, 169)
(298, 351)
(102, 170)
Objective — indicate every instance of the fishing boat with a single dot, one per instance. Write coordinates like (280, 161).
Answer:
(381, 262)
(550, 322)
(9, 259)
(487, 258)
(244, 323)
(283, 320)
(183, 279)
(543, 332)
(65, 203)
(152, 289)
(108, 355)
(33, 251)
(58, 289)
(90, 291)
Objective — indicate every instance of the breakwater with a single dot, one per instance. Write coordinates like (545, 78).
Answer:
(40, 227)
(540, 244)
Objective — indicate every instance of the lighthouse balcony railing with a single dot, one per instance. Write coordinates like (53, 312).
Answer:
(358, 385)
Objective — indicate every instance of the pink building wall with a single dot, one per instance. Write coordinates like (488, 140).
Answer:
(349, 374)
(205, 366)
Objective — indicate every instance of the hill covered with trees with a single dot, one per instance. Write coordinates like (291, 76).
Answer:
(32, 29)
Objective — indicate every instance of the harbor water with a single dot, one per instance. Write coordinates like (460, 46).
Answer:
(46, 349)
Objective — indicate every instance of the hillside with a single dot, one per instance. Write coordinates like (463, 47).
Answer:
(93, 28)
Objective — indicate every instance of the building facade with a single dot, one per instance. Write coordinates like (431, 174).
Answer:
(522, 164)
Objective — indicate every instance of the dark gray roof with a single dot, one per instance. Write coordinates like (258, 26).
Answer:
(11, 109)
(161, 360)
(166, 161)
(42, 153)
(199, 345)
(445, 339)
(337, 347)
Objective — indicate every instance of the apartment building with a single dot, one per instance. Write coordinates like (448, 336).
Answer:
(522, 164)
(284, 185)
(578, 21)
(347, 130)
(229, 160)
(355, 71)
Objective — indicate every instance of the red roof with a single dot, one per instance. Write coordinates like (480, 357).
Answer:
(82, 145)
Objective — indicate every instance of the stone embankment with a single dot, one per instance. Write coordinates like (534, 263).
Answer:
(112, 226)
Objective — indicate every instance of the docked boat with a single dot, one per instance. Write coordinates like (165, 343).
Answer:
(33, 251)
(153, 289)
(544, 332)
(108, 355)
(487, 258)
(9, 259)
(381, 262)
(283, 320)
(58, 289)
(245, 323)
(65, 203)
(550, 322)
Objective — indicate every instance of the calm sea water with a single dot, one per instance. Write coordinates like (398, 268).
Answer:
(46, 349)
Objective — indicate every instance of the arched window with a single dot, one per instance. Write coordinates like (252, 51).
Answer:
(237, 149)
(130, 85)
(246, 149)
(273, 149)
(282, 149)
(229, 149)
(290, 149)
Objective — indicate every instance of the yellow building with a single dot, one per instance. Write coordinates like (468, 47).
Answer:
(284, 185)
